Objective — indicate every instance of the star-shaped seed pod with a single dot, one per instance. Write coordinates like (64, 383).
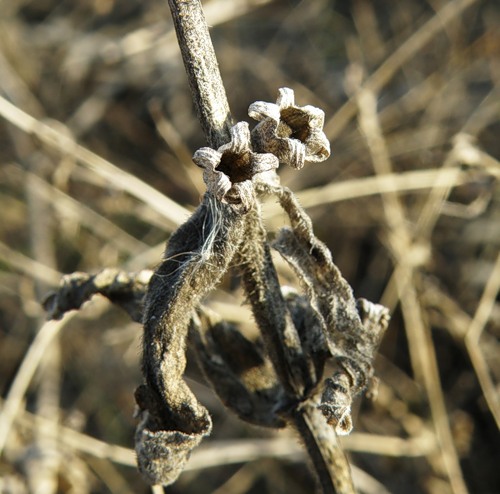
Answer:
(292, 133)
(230, 171)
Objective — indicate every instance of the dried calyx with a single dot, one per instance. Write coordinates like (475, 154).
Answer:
(229, 171)
(293, 133)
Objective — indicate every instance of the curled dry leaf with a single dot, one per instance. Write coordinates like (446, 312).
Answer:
(238, 370)
(197, 255)
(293, 133)
(124, 289)
(352, 330)
(344, 385)
(162, 449)
(310, 331)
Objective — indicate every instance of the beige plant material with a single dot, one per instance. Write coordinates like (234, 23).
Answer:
(293, 133)
(229, 171)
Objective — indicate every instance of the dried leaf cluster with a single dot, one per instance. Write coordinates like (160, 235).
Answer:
(265, 382)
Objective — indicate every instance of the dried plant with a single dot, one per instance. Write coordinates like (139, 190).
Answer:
(98, 135)
(279, 380)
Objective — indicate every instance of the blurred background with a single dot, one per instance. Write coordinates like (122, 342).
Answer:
(95, 113)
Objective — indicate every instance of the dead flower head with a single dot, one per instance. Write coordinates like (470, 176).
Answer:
(293, 133)
(230, 170)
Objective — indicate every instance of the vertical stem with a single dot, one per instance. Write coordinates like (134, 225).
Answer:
(270, 311)
(202, 69)
(43, 468)
(328, 459)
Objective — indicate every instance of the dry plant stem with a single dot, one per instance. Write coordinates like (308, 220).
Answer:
(77, 211)
(397, 59)
(400, 240)
(43, 468)
(201, 65)
(459, 324)
(62, 141)
(227, 452)
(325, 452)
(463, 152)
(272, 316)
(473, 335)
(34, 355)
(379, 184)
(29, 266)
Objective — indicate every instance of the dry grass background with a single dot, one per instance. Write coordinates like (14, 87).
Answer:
(97, 132)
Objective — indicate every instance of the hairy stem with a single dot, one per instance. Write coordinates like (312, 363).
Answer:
(271, 314)
(325, 452)
(209, 95)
